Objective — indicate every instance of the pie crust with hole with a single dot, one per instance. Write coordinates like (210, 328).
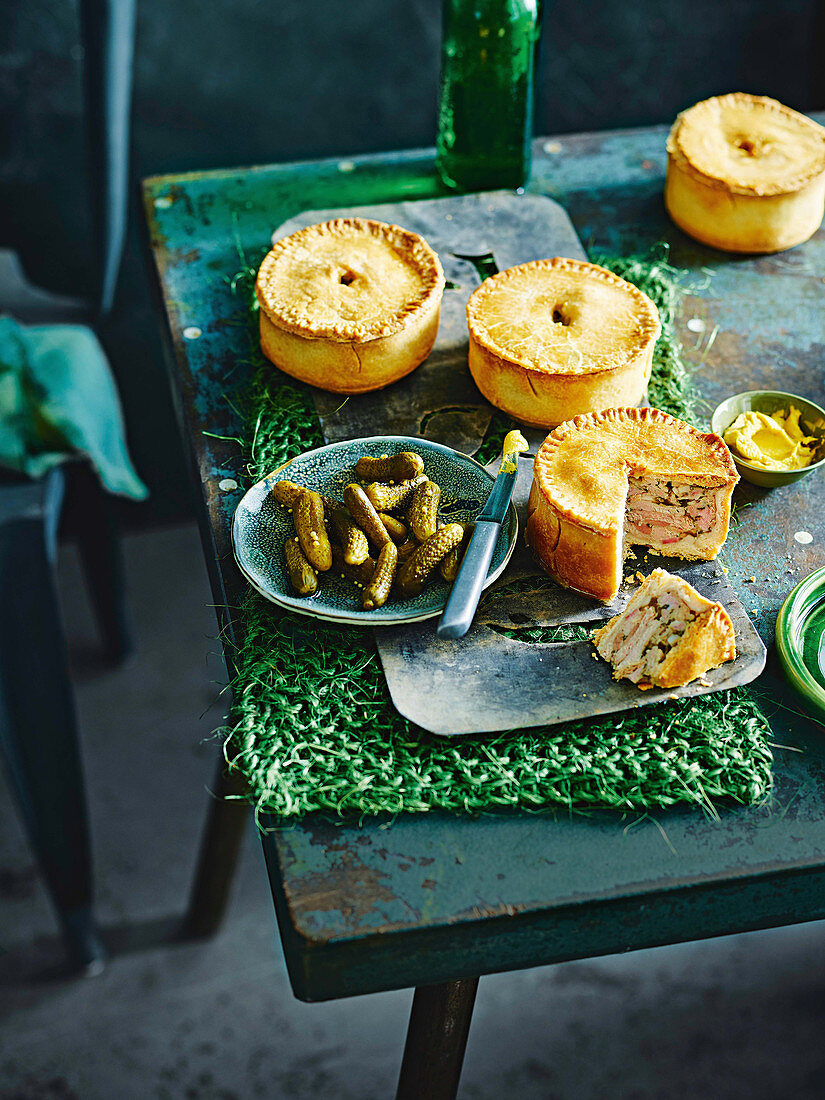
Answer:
(626, 477)
(349, 305)
(552, 339)
(746, 174)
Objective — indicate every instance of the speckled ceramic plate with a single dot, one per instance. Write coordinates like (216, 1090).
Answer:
(261, 526)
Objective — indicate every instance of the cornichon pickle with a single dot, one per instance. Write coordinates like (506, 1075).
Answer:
(311, 530)
(361, 509)
(407, 548)
(360, 574)
(376, 592)
(416, 570)
(348, 535)
(287, 493)
(395, 528)
(392, 498)
(398, 467)
(302, 576)
(423, 512)
(449, 565)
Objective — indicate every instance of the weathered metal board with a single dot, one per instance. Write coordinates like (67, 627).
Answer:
(440, 400)
(485, 682)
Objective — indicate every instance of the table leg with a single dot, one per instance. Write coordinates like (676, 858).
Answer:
(436, 1040)
(38, 728)
(93, 524)
(225, 823)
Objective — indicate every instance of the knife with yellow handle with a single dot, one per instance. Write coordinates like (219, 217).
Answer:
(466, 591)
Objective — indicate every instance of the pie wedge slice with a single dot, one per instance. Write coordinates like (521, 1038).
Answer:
(667, 635)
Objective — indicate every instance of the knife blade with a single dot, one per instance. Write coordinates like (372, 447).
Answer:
(467, 588)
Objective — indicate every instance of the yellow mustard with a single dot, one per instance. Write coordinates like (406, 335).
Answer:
(513, 443)
(774, 442)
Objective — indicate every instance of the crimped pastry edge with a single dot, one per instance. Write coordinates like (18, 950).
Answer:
(682, 161)
(410, 244)
(650, 328)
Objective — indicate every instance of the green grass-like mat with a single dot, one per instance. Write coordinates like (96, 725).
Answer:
(313, 727)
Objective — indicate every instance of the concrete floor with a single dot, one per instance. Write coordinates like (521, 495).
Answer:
(740, 1017)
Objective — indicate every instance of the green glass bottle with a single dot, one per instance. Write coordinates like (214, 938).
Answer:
(485, 111)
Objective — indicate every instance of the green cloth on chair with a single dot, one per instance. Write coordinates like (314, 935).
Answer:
(58, 398)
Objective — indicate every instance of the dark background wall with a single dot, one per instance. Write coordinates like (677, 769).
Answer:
(243, 81)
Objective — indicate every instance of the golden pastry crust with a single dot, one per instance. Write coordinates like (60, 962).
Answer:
(708, 642)
(749, 144)
(582, 467)
(552, 339)
(746, 174)
(348, 279)
(349, 305)
(579, 557)
(581, 478)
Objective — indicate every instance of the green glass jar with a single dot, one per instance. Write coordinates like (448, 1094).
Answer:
(485, 111)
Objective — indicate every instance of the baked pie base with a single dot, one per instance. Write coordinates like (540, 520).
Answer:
(746, 174)
(349, 305)
(552, 339)
(341, 366)
(626, 477)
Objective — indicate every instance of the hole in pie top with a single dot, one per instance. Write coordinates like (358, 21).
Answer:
(560, 317)
(747, 146)
(347, 278)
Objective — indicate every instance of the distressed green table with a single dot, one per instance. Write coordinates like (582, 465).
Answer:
(434, 901)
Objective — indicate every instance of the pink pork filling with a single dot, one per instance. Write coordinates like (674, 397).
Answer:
(665, 513)
(647, 636)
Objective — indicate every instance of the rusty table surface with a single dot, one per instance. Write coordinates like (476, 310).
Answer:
(426, 898)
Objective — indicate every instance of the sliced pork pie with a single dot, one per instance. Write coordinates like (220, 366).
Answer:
(626, 477)
(667, 635)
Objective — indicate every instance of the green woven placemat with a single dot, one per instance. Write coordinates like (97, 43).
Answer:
(312, 725)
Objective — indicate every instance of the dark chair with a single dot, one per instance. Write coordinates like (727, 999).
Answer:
(38, 730)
